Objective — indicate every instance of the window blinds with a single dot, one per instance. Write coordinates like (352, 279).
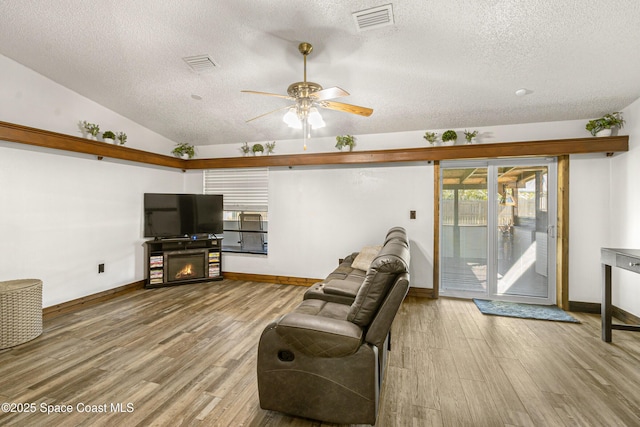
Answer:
(243, 189)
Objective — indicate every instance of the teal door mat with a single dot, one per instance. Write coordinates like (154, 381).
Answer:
(524, 311)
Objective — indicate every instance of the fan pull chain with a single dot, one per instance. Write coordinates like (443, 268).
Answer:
(306, 131)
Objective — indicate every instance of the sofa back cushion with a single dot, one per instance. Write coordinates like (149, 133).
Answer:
(393, 259)
(381, 324)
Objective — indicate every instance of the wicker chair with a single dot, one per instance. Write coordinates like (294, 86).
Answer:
(20, 311)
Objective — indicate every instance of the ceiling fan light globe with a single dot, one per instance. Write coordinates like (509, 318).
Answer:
(315, 119)
(291, 119)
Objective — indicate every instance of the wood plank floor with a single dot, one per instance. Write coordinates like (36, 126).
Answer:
(186, 355)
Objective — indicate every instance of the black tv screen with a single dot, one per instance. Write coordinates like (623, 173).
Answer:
(209, 214)
(180, 215)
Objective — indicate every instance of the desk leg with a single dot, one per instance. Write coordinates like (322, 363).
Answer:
(606, 303)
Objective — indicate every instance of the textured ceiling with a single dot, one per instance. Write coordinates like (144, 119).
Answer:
(444, 64)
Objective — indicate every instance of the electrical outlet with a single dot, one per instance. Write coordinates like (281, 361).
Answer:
(412, 214)
(100, 268)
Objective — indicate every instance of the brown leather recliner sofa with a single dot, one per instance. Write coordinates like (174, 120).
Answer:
(325, 359)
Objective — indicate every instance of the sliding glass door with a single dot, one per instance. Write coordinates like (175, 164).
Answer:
(464, 212)
(497, 230)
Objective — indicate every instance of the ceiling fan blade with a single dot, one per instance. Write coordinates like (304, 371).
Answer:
(266, 114)
(329, 93)
(268, 94)
(347, 108)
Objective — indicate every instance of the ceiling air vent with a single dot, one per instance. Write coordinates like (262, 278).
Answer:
(375, 17)
(200, 63)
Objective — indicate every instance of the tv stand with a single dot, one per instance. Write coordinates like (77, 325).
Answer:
(180, 261)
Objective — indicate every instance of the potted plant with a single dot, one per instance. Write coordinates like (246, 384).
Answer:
(450, 137)
(184, 150)
(91, 129)
(345, 141)
(270, 146)
(431, 137)
(109, 137)
(603, 126)
(121, 138)
(470, 135)
(245, 148)
(257, 149)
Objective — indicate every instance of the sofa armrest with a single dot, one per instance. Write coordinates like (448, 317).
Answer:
(345, 288)
(319, 336)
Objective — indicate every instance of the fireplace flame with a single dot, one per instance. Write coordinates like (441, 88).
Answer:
(187, 271)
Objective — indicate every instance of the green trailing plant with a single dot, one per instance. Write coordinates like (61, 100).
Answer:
(449, 135)
(121, 137)
(345, 141)
(270, 146)
(607, 121)
(245, 148)
(257, 148)
(470, 135)
(183, 149)
(91, 128)
(431, 137)
(109, 135)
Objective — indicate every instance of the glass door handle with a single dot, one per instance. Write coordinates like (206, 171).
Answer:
(551, 231)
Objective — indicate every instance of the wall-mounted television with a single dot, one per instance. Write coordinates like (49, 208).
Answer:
(182, 215)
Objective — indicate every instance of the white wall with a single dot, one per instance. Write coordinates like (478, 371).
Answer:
(589, 227)
(60, 216)
(605, 212)
(320, 214)
(624, 211)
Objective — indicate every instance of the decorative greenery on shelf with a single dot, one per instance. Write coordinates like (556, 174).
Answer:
(184, 149)
(270, 146)
(431, 137)
(245, 148)
(607, 121)
(121, 137)
(470, 135)
(257, 148)
(345, 141)
(91, 128)
(109, 135)
(449, 135)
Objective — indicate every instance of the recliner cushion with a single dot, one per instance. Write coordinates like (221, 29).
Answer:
(319, 328)
(320, 308)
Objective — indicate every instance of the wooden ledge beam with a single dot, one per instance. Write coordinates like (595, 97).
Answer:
(59, 141)
(555, 147)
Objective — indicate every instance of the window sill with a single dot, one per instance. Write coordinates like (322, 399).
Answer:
(238, 250)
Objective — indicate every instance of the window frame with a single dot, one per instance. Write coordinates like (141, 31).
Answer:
(245, 190)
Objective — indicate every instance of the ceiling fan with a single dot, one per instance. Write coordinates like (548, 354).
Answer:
(307, 96)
